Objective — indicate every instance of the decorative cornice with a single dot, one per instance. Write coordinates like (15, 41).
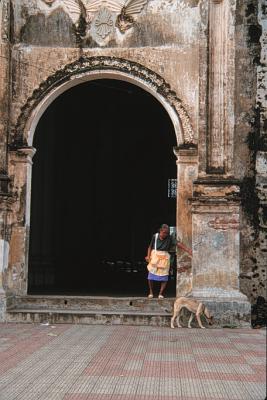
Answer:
(22, 154)
(28, 151)
(102, 63)
(185, 152)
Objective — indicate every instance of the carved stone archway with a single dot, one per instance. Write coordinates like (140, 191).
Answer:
(92, 68)
(21, 150)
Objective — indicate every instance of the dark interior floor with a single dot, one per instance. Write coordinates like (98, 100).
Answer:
(99, 190)
(109, 283)
(138, 288)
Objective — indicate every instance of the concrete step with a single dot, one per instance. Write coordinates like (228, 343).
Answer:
(103, 317)
(92, 303)
(119, 311)
(90, 310)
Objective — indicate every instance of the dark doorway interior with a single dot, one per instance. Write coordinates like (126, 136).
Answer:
(99, 190)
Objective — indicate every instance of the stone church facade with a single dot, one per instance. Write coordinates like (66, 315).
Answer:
(205, 63)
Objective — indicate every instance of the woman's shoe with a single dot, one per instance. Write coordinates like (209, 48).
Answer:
(150, 296)
(160, 296)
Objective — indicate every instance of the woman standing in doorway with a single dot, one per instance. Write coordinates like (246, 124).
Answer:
(158, 258)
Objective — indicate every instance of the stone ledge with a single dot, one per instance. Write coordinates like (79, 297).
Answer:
(90, 317)
(91, 303)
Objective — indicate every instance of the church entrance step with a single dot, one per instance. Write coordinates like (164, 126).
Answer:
(90, 303)
(103, 317)
(91, 310)
(54, 309)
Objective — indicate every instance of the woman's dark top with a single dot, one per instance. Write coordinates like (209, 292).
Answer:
(167, 244)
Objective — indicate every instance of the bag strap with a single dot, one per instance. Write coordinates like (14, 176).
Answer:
(156, 238)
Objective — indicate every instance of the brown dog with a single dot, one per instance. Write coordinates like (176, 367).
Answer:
(195, 307)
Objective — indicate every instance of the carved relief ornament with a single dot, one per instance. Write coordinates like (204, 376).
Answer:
(102, 16)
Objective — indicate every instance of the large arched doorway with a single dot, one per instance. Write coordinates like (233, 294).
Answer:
(99, 189)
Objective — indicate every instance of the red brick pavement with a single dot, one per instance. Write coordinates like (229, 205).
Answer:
(125, 355)
(19, 346)
(129, 397)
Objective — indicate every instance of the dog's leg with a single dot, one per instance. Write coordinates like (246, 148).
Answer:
(178, 317)
(178, 321)
(190, 320)
(174, 317)
(198, 313)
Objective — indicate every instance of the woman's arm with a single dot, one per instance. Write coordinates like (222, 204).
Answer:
(183, 247)
(147, 258)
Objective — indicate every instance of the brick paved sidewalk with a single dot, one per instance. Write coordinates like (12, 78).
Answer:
(82, 362)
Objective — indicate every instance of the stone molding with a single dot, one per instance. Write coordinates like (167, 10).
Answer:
(187, 156)
(23, 155)
(217, 190)
(102, 63)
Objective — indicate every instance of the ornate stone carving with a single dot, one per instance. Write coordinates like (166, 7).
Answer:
(187, 127)
(102, 16)
(103, 23)
(102, 26)
(83, 65)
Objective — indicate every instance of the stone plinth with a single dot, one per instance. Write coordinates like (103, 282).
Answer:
(215, 265)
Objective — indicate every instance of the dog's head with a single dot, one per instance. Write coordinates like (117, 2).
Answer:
(208, 316)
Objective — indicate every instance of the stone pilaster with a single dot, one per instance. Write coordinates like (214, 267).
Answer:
(20, 174)
(187, 171)
(5, 197)
(217, 95)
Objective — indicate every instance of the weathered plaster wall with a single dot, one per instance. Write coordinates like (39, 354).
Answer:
(4, 87)
(163, 38)
(33, 65)
(250, 143)
(261, 158)
(160, 23)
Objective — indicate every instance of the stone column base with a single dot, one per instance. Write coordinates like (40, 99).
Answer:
(230, 309)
